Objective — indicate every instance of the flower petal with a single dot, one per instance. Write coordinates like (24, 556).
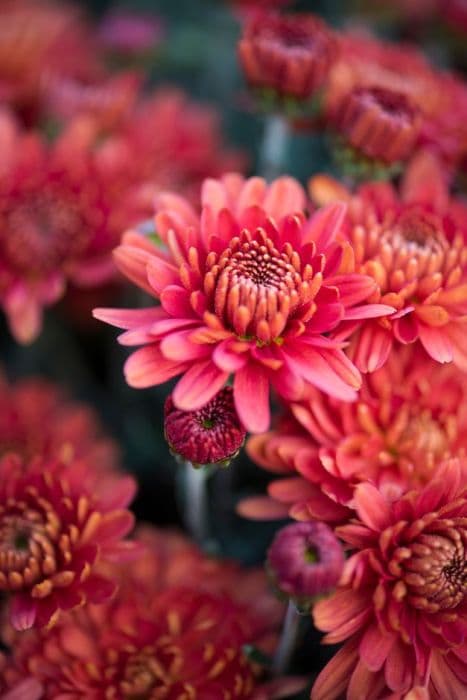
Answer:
(198, 386)
(251, 395)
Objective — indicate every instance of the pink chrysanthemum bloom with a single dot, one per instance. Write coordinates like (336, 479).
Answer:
(176, 629)
(211, 435)
(37, 418)
(289, 54)
(63, 207)
(305, 560)
(378, 122)
(401, 603)
(409, 415)
(414, 245)
(250, 288)
(58, 523)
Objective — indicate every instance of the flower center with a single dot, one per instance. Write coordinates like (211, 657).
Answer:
(436, 572)
(42, 233)
(256, 287)
(418, 233)
(145, 673)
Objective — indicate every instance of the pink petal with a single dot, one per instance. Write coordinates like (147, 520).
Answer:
(29, 689)
(251, 396)
(368, 311)
(148, 367)
(353, 288)
(373, 347)
(371, 507)
(315, 368)
(178, 347)
(399, 671)
(261, 508)
(132, 262)
(98, 589)
(436, 342)
(129, 318)
(117, 492)
(227, 359)
(114, 525)
(334, 678)
(406, 329)
(198, 386)
(325, 224)
(24, 313)
(176, 301)
(284, 196)
(160, 274)
(23, 611)
(375, 646)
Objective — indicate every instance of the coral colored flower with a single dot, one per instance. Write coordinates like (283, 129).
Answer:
(289, 54)
(250, 289)
(409, 415)
(62, 209)
(58, 522)
(209, 435)
(305, 560)
(414, 245)
(380, 123)
(176, 629)
(401, 603)
(37, 418)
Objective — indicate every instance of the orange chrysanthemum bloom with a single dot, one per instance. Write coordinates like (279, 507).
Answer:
(251, 287)
(176, 630)
(414, 245)
(408, 416)
(401, 605)
(58, 523)
(37, 418)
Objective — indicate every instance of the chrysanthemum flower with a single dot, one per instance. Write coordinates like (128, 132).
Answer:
(57, 524)
(409, 415)
(380, 123)
(289, 54)
(176, 629)
(212, 434)
(305, 560)
(414, 245)
(37, 418)
(62, 209)
(250, 289)
(401, 603)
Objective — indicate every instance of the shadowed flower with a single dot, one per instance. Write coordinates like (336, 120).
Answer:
(37, 418)
(250, 289)
(409, 415)
(414, 245)
(176, 629)
(58, 522)
(401, 602)
(130, 33)
(209, 435)
(288, 54)
(380, 123)
(305, 560)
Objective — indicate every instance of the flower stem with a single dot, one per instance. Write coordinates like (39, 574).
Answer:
(273, 146)
(287, 640)
(196, 501)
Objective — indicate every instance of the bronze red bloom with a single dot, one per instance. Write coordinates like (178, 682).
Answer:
(401, 603)
(289, 54)
(250, 289)
(57, 525)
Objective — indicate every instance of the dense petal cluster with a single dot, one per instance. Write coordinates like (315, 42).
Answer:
(212, 434)
(401, 603)
(288, 54)
(409, 415)
(413, 244)
(176, 629)
(37, 418)
(57, 525)
(252, 288)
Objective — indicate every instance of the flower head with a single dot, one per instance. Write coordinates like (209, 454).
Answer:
(380, 123)
(288, 54)
(210, 435)
(249, 289)
(413, 244)
(409, 415)
(176, 629)
(305, 560)
(401, 602)
(58, 523)
(37, 418)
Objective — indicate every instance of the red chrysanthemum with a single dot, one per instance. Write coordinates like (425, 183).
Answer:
(251, 288)
(175, 630)
(212, 434)
(379, 123)
(408, 416)
(414, 245)
(58, 523)
(289, 54)
(37, 418)
(401, 603)
(439, 97)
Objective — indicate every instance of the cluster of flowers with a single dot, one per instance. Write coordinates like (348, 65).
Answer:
(346, 305)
